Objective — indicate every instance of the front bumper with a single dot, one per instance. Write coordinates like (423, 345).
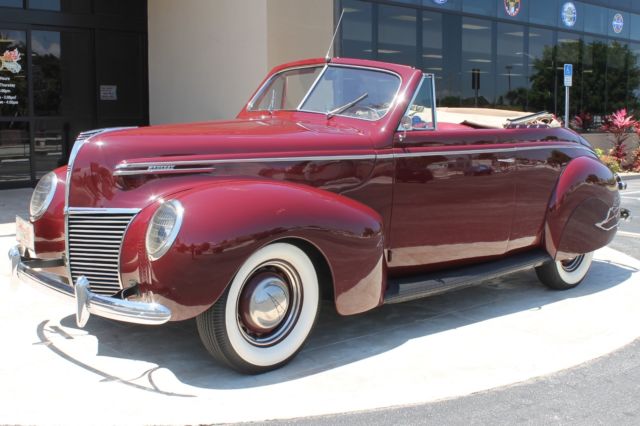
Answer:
(87, 302)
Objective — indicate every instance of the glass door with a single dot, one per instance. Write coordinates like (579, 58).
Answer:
(47, 97)
(15, 148)
(63, 94)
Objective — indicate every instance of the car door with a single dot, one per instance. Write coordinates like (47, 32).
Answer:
(454, 190)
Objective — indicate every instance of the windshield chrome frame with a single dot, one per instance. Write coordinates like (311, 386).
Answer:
(317, 81)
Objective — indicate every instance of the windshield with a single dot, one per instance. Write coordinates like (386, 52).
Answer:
(353, 92)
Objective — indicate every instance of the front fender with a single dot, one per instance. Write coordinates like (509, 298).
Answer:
(583, 211)
(225, 222)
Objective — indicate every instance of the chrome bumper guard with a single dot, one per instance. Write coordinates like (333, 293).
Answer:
(87, 302)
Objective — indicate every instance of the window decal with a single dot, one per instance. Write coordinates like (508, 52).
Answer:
(10, 60)
(512, 7)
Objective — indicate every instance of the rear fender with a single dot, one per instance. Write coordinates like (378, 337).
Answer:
(584, 209)
(225, 222)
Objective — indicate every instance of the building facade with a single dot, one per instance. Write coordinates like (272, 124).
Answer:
(72, 65)
(66, 66)
(508, 53)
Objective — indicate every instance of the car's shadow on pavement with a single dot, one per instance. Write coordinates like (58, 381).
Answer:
(337, 341)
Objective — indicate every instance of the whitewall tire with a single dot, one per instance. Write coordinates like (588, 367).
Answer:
(566, 274)
(266, 314)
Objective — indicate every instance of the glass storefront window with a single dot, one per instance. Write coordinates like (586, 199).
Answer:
(634, 27)
(480, 7)
(47, 70)
(518, 66)
(511, 73)
(618, 61)
(443, 4)
(541, 70)
(594, 71)
(568, 51)
(357, 29)
(432, 45)
(72, 6)
(595, 19)
(45, 5)
(477, 63)
(544, 12)
(13, 73)
(11, 3)
(397, 35)
(48, 147)
(633, 99)
(14, 152)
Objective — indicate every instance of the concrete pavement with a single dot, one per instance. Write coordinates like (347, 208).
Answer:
(504, 332)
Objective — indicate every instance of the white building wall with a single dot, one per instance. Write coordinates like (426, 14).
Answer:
(207, 56)
(298, 29)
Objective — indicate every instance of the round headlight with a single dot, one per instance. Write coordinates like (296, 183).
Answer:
(42, 195)
(163, 228)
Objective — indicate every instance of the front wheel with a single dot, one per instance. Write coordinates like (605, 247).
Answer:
(265, 315)
(565, 274)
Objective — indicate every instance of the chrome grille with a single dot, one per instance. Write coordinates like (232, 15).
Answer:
(94, 239)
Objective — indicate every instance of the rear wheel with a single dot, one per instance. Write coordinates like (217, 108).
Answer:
(565, 274)
(267, 312)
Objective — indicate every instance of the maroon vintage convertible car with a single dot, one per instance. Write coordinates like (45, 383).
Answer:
(336, 180)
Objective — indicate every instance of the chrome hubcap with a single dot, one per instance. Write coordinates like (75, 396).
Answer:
(572, 264)
(269, 303)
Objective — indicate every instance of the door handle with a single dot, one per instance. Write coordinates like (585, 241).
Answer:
(507, 160)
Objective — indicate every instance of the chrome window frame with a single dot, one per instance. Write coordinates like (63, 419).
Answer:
(259, 93)
(434, 113)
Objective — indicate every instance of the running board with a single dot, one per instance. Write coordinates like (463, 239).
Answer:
(417, 287)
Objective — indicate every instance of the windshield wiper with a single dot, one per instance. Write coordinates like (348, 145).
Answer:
(345, 107)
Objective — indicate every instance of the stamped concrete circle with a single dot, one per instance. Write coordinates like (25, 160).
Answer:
(503, 332)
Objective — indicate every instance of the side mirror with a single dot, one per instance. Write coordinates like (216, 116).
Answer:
(406, 123)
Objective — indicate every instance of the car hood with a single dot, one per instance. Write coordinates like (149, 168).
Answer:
(114, 169)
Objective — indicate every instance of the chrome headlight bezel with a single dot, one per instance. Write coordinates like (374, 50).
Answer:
(36, 212)
(178, 210)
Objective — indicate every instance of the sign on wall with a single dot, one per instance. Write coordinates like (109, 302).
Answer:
(569, 14)
(512, 7)
(618, 23)
(108, 92)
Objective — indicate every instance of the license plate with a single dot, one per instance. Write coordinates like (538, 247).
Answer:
(24, 233)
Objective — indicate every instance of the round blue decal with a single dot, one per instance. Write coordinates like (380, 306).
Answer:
(440, 1)
(569, 14)
(618, 23)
